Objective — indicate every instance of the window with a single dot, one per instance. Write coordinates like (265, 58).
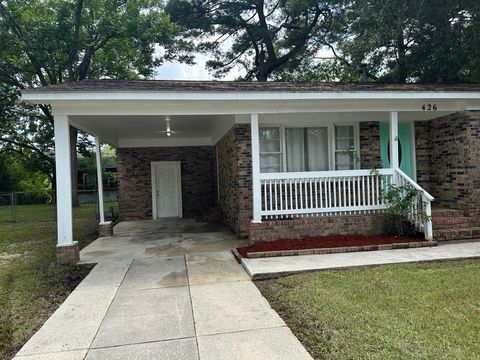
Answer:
(345, 150)
(270, 150)
(307, 149)
(298, 149)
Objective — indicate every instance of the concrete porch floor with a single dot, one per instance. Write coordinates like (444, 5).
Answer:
(167, 289)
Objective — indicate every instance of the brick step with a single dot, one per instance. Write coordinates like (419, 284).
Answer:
(437, 212)
(456, 234)
(454, 222)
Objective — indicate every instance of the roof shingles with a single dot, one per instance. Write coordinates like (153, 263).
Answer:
(232, 86)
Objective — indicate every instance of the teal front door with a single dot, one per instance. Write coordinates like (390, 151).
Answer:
(404, 147)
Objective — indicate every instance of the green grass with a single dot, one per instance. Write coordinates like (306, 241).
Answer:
(413, 311)
(46, 212)
(32, 286)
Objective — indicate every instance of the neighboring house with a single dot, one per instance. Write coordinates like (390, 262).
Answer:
(87, 178)
(281, 160)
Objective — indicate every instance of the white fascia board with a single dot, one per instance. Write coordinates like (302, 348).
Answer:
(232, 107)
(163, 142)
(49, 96)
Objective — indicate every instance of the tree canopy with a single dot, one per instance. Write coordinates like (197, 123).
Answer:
(425, 41)
(54, 41)
(260, 36)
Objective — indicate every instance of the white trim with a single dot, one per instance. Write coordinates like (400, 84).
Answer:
(322, 174)
(63, 180)
(256, 189)
(329, 210)
(178, 165)
(98, 157)
(330, 125)
(393, 136)
(241, 107)
(163, 142)
(413, 151)
(47, 96)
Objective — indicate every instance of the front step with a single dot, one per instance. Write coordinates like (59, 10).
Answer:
(442, 212)
(451, 224)
(454, 222)
(456, 234)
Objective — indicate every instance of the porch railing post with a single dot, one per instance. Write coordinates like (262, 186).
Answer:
(256, 188)
(428, 221)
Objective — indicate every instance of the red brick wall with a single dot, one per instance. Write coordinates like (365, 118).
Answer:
(451, 171)
(369, 224)
(370, 145)
(235, 178)
(198, 168)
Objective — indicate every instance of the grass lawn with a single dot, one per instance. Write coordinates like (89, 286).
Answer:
(49, 212)
(32, 286)
(412, 311)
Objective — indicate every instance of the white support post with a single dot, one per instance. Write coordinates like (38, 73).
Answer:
(63, 181)
(428, 221)
(256, 188)
(101, 208)
(393, 125)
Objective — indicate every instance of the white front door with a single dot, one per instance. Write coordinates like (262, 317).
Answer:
(166, 189)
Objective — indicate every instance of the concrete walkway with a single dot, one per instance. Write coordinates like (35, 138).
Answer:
(276, 266)
(164, 290)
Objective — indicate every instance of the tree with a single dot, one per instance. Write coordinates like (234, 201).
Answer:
(261, 36)
(48, 42)
(409, 41)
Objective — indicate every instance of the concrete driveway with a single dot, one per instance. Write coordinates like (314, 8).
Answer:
(166, 289)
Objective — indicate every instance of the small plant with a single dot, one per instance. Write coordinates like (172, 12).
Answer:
(403, 202)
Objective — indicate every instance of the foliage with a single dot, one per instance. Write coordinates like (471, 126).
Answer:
(400, 200)
(17, 176)
(260, 36)
(409, 41)
(48, 42)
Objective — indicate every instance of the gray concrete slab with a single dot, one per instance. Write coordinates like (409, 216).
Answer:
(214, 267)
(233, 306)
(272, 344)
(137, 303)
(183, 349)
(64, 355)
(276, 266)
(146, 315)
(74, 325)
(155, 272)
(106, 274)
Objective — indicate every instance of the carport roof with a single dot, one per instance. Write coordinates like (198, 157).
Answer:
(244, 86)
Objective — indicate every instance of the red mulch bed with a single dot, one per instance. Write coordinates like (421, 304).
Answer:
(324, 242)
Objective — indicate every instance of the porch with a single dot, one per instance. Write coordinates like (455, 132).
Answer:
(274, 154)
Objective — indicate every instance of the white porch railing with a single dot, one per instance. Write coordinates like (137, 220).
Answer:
(306, 194)
(421, 210)
(323, 193)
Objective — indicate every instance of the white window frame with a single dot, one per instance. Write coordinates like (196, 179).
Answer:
(331, 140)
(282, 146)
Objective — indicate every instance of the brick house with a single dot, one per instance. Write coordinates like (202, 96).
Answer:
(278, 159)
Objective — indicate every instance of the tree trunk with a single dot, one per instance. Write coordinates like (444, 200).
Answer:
(402, 59)
(74, 170)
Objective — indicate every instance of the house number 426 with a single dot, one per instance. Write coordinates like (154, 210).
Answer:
(429, 107)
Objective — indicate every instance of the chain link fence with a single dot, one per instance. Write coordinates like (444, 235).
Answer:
(39, 205)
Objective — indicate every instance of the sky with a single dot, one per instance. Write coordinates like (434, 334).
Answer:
(178, 71)
(198, 71)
